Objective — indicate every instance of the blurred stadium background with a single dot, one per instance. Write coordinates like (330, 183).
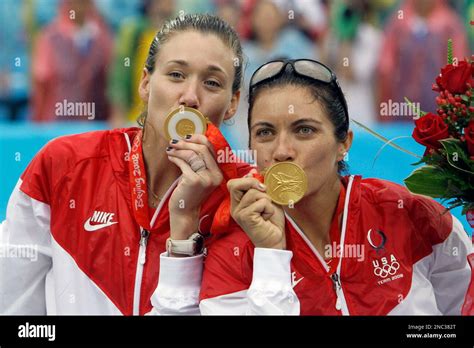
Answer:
(94, 51)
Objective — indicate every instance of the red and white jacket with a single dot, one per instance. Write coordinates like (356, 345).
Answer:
(70, 241)
(399, 254)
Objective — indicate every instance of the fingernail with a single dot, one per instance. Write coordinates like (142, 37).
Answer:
(174, 141)
(169, 148)
(188, 136)
(262, 186)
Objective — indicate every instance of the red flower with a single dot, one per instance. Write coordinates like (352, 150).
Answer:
(469, 136)
(455, 78)
(429, 129)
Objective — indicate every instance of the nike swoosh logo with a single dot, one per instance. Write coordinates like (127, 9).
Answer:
(297, 281)
(91, 228)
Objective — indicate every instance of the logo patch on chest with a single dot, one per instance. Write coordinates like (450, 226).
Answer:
(99, 220)
(386, 268)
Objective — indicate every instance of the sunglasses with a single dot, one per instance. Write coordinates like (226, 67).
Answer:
(304, 67)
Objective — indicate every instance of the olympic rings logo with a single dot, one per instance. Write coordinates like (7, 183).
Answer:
(387, 269)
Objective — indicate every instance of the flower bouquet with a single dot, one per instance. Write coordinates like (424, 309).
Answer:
(448, 134)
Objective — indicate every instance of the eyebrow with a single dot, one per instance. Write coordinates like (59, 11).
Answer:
(186, 64)
(296, 123)
(266, 124)
(305, 120)
(179, 62)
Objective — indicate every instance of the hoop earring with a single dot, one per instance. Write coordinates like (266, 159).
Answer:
(230, 122)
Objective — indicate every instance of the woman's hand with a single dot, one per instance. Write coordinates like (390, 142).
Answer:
(200, 176)
(253, 210)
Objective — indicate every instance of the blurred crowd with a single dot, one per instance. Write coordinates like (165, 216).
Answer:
(94, 50)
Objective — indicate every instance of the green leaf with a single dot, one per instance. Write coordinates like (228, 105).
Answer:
(428, 180)
(450, 51)
(457, 202)
(387, 143)
(430, 159)
(467, 207)
(438, 182)
(415, 109)
(423, 160)
(382, 138)
(464, 97)
(454, 150)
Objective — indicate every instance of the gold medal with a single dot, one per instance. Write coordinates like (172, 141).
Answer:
(183, 121)
(286, 183)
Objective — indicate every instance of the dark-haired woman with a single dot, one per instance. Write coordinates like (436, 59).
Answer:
(350, 246)
(88, 220)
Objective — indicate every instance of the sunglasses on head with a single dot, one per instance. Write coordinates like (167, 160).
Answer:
(304, 67)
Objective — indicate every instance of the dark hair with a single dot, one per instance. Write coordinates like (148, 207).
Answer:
(325, 93)
(204, 23)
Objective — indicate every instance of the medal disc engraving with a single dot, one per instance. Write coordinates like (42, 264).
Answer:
(286, 183)
(183, 121)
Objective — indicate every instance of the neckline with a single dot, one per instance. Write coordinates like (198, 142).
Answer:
(335, 230)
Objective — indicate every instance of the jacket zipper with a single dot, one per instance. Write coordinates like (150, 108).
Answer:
(144, 235)
(338, 288)
(139, 274)
(336, 276)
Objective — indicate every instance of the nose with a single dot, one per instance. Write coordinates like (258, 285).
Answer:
(284, 150)
(189, 96)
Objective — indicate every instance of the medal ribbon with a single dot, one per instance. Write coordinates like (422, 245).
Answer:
(138, 188)
(137, 171)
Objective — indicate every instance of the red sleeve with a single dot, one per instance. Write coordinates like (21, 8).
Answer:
(46, 169)
(228, 265)
(431, 219)
(36, 181)
(243, 168)
(427, 223)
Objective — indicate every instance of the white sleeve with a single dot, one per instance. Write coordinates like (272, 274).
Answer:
(451, 273)
(25, 255)
(270, 293)
(179, 284)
